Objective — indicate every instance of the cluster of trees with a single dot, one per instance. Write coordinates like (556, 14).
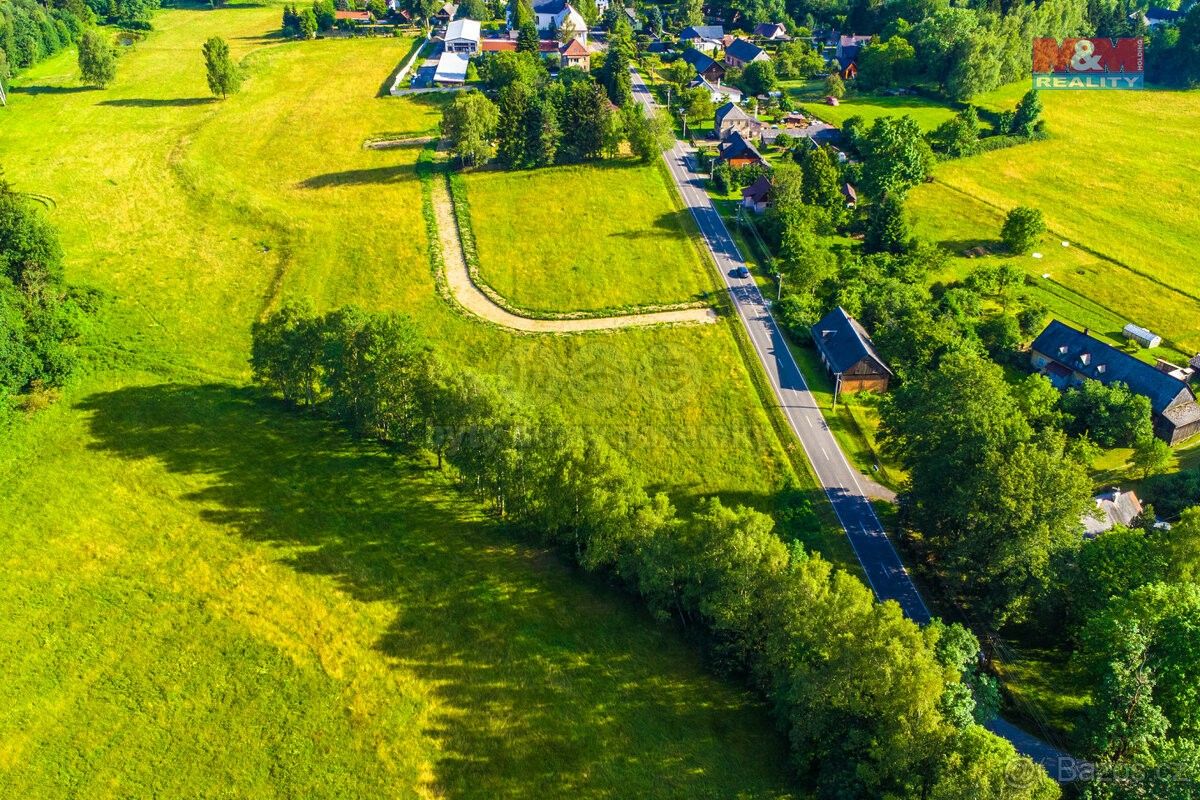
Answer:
(321, 17)
(536, 121)
(873, 705)
(41, 318)
(960, 136)
(1132, 604)
(31, 31)
(1173, 54)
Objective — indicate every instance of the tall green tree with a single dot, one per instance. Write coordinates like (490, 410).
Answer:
(896, 157)
(997, 504)
(469, 125)
(887, 227)
(97, 59)
(1022, 228)
(224, 76)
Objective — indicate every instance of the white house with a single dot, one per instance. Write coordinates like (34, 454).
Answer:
(554, 15)
(720, 92)
(462, 36)
(451, 70)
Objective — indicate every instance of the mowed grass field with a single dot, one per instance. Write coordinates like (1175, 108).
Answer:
(1117, 181)
(584, 238)
(205, 593)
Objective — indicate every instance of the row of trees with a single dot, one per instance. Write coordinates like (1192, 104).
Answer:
(536, 121)
(41, 318)
(873, 704)
(31, 31)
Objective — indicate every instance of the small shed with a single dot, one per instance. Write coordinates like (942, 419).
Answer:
(1142, 336)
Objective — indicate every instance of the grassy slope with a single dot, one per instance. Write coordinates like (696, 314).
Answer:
(1115, 179)
(185, 532)
(584, 238)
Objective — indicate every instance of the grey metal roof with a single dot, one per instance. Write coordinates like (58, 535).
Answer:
(739, 147)
(1092, 358)
(843, 342)
(702, 32)
(699, 61)
(743, 50)
(729, 111)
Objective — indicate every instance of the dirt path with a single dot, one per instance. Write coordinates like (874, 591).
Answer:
(468, 295)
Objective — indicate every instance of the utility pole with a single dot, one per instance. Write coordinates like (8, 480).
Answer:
(837, 388)
(3, 98)
(779, 280)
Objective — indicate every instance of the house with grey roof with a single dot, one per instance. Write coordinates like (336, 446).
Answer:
(730, 118)
(742, 52)
(1112, 508)
(705, 67)
(1069, 357)
(848, 353)
(703, 37)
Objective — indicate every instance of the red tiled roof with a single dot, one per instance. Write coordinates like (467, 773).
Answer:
(496, 45)
(574, 49)
(357, 16)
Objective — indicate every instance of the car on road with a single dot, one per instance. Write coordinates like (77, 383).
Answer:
(740, 272)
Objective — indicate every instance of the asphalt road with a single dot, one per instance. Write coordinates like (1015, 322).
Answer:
(841, 482)
(884, 571)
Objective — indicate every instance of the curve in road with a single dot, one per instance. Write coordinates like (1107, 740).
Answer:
(881, 564)
(471, 298)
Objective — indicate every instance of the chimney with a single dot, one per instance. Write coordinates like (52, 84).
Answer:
(1086, 331)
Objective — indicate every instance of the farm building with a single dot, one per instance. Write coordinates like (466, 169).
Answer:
(1069, 357)
(1142, 336)
(462, 36)
(357, 17)
(847, 350)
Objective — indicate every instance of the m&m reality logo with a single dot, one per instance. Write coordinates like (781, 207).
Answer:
(1096, 63)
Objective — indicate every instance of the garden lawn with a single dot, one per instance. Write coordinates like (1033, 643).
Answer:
(1115, 181)
(191, 571)
(809, 98)
(583, 238)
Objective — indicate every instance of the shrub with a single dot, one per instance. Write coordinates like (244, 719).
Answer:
(1022, 228)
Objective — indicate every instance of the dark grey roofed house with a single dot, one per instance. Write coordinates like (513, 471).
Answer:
(739, 152)
(711, 32)
(771, 30)
(1069, 357)
(742, 52)
(847, 350)
(703, 65)
(548, 6)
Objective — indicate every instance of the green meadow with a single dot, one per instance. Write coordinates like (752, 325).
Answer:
(584, 238)
(1114, 182)
(205, 593)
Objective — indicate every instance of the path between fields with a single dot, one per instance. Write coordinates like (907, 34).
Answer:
(469, 296)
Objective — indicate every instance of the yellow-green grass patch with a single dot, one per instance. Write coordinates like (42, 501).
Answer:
(584, 238)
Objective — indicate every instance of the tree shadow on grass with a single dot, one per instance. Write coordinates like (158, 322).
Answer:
(669, 224)
(544, 688)
(360, 177)
(36, 90)
(169, 102)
